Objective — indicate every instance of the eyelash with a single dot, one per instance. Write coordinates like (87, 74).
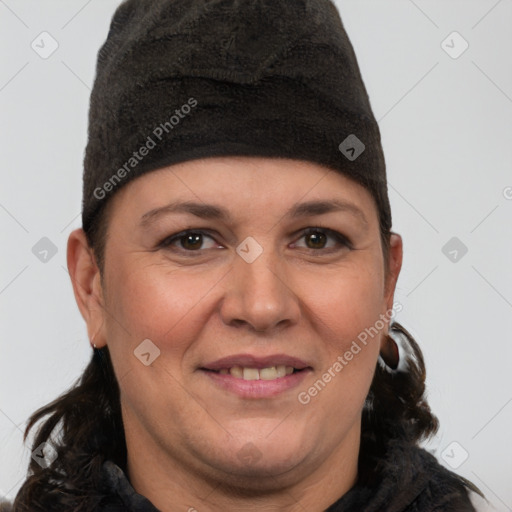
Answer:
(342, 239)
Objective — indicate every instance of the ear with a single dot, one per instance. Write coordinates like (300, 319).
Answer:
(86, 281)
(388, 348)
(395, 265)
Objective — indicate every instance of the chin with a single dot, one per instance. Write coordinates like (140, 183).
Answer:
(261, 459)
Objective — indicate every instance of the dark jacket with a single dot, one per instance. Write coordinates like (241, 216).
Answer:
(407, 479)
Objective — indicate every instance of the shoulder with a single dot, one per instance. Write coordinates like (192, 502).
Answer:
(446, 490)
(417, 481)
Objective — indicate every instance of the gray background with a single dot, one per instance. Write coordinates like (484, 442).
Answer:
(447, 129)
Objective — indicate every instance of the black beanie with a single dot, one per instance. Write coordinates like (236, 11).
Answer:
(183, 79)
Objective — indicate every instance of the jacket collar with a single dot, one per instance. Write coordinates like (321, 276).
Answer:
(117, 483)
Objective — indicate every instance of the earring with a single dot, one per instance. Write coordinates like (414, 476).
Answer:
(393, 356)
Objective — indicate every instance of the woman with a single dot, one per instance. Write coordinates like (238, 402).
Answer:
(236, 271)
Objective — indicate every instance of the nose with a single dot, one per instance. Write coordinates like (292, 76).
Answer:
(259, 295)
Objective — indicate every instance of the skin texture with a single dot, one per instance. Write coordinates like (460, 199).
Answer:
(198, 301)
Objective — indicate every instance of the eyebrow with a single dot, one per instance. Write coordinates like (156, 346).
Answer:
(212, 211)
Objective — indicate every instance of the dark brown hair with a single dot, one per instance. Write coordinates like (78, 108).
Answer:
(90, 426)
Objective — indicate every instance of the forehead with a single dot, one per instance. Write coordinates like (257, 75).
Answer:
(243, 186)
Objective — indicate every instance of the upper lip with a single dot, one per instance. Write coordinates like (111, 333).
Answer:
(251, 361)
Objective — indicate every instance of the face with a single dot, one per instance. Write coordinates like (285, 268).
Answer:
(237, 339)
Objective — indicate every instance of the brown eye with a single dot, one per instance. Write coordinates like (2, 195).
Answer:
(189, 241)
(192, 241)
(317, 238)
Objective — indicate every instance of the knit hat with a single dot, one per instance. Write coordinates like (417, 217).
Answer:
(183, 79)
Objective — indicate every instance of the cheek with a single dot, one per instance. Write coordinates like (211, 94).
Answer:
(347, 311)
(343, 309)
(348, 304)
(154, 302)
(169, 304)
(165, 306)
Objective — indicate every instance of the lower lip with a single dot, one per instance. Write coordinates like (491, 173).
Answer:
(257, 388)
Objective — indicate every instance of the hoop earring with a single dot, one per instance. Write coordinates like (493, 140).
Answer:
(394, 358)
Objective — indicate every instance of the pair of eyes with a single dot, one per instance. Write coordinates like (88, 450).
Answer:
(319, 236)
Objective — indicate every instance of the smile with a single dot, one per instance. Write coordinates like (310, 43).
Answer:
(256, 376)
(254, 383)
(247, 373)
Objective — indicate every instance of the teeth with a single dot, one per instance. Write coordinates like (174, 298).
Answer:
(237, 371)
(270, 373)
(251, 374)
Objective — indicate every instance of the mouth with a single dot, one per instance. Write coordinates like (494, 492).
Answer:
(257, 377)
(248, 373)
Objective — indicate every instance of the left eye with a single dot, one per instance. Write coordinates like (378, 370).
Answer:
(191, 241)
(320, 235)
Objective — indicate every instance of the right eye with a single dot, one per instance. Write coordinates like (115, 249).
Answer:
(190, 240)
